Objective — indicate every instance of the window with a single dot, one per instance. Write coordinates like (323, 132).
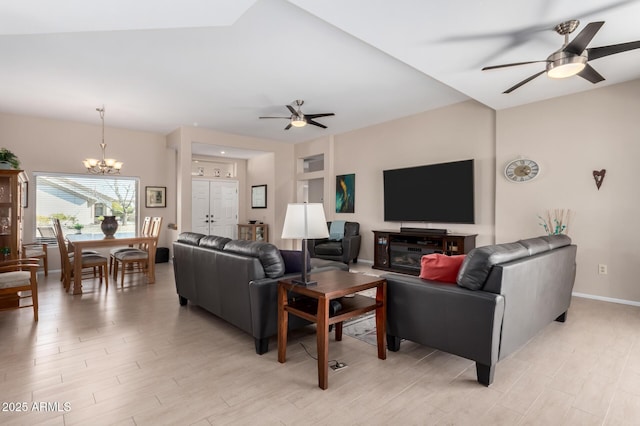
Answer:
(81, 201)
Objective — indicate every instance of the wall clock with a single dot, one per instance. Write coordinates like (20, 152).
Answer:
(521, 170)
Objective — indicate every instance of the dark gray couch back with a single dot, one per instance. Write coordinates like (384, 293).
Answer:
(268, 254)
(477, 265)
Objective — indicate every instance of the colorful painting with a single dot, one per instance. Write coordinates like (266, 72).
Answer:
(345, 193)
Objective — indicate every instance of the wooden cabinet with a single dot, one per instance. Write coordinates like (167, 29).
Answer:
(12, 183)
(253, 232)
(401, 251)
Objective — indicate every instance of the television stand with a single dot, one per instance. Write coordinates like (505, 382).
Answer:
(401, 251)
(431, 231)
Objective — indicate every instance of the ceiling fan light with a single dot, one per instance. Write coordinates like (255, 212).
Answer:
(566, 70)
(562, 65)
(298, 122)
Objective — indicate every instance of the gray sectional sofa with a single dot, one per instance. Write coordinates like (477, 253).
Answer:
(505, 294)
(237, 280)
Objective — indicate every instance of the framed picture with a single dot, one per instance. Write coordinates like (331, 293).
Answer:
(345, 193)
(25, 194)
(155, 196)
(259, 197)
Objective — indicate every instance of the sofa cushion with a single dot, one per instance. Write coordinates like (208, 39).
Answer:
(479, 261)
(192, 238)
(214, 242)
(440, 267)
(267, 253)
(331, 248)
(556, 241)
(535, 245)
(293, 261)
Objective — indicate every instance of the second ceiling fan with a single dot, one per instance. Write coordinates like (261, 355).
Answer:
(298, 119)
(571, 59)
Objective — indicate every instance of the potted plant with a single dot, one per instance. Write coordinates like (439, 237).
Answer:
(78, 227)
(8, 159)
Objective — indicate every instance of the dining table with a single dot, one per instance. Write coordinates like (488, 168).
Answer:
(81, 242)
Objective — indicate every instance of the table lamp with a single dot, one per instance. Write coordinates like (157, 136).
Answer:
(304, 221)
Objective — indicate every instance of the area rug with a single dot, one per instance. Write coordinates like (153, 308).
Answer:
(362, 328)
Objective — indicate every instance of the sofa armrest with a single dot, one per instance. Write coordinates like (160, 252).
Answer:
(447, 317)
(263, 295)
(351, 247)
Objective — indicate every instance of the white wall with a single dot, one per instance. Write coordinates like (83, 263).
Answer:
(459, 132)
(260, 172)
(570, 137)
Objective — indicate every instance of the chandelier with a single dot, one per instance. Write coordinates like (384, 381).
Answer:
(106, 165)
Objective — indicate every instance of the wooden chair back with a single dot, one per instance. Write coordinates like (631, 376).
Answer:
(156, 223)
(146, 226)
(65, 264)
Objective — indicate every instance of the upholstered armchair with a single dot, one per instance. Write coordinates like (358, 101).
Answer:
(343, 250)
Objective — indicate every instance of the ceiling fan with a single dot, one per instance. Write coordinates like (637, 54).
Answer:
(298, 119)
(571, 59)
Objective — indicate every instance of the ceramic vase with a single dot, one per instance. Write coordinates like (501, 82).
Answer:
(109, 226)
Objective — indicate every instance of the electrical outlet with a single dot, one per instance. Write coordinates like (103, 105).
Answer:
(602, 269)
(338, 366)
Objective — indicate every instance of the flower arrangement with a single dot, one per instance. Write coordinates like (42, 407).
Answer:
(555, 221)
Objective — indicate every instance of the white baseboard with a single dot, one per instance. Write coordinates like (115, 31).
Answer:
(606, 299)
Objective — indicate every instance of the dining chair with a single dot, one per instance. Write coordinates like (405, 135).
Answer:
(37, 251)
(17, 276)
(136, 260)
(144, 230)
(89, 260)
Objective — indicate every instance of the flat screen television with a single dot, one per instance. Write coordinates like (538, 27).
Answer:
(440, 193)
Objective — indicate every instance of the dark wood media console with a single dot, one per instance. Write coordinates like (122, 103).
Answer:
(401, 251)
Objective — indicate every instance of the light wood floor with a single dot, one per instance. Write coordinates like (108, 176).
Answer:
(135, 357)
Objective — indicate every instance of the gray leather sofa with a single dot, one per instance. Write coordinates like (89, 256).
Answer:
(505, 294)
(237, 281)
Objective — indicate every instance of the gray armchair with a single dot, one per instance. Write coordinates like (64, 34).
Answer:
(345, 250)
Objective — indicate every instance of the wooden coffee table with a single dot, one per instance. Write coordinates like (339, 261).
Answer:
(331, 285)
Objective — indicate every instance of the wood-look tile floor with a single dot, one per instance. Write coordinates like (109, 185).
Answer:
(135, 357)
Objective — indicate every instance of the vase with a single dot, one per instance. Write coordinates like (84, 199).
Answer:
(109, 226)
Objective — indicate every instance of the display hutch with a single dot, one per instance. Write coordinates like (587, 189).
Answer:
(12, 185)
(253, 232)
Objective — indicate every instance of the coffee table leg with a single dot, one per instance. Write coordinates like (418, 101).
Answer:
(283, 324)
(381, 319)
(322, 331)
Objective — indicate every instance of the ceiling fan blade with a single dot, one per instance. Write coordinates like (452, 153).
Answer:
(293, 111)
(288, 126)
(493, 67)
(580, 42)
(312, 116)
(599, 52)
(523, 82)
(315, 123)
(287, 118)
(589, 74)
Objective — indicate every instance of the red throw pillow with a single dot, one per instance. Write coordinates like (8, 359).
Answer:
(440, 267)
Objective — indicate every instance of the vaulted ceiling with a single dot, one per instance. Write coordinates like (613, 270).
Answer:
(221, 64)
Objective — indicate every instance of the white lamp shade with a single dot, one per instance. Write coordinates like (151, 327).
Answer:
(304, 221)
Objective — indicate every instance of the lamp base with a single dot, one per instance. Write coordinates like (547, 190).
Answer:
(305, 283)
